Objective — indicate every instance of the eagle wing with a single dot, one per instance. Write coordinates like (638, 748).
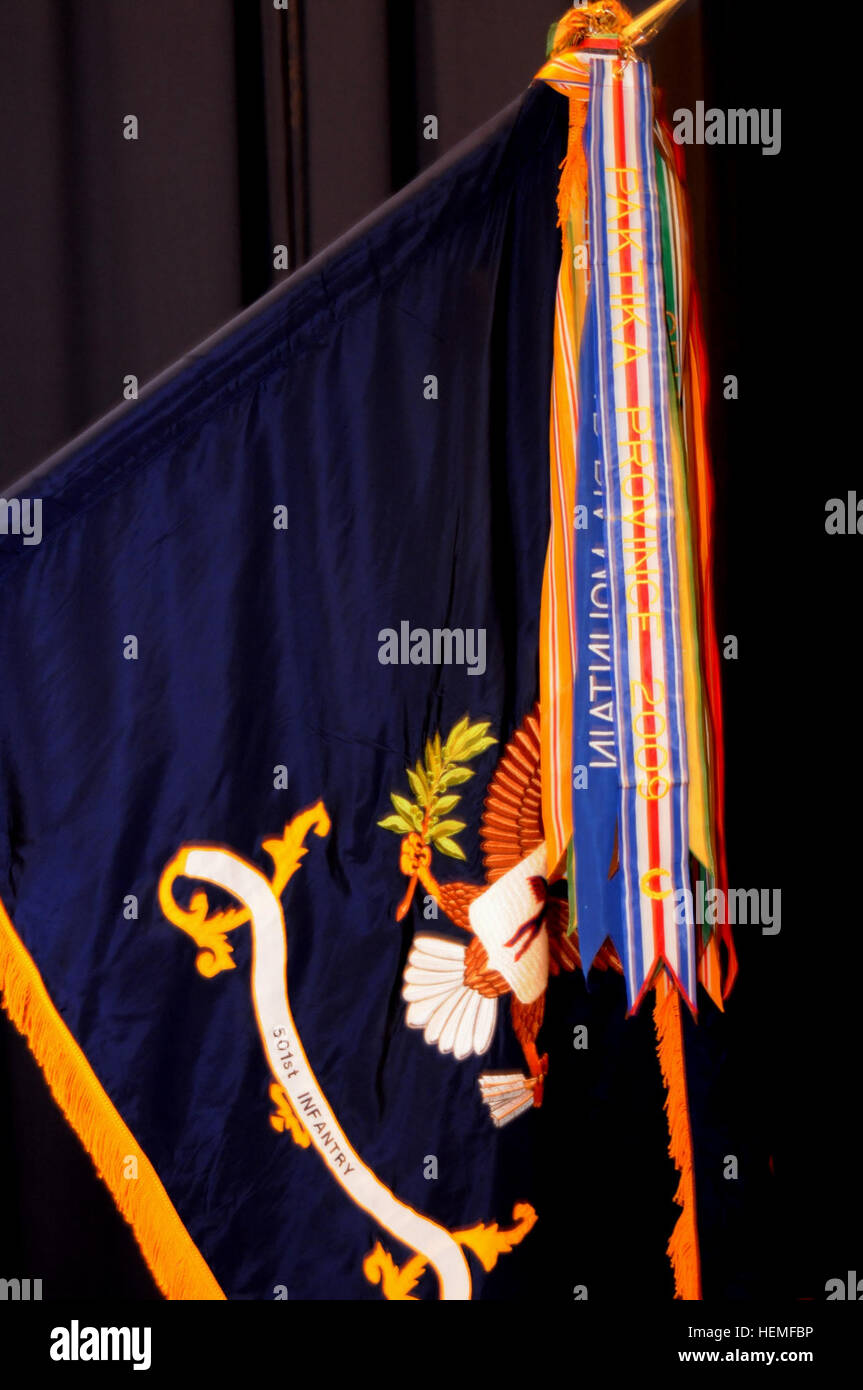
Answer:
(511, 825)
(449, 995)
(511, 828)
(563, 952)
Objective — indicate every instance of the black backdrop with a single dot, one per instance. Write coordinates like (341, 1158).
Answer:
(258, 128)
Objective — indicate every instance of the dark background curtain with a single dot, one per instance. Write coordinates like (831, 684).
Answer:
(257, 127)
(260, 126)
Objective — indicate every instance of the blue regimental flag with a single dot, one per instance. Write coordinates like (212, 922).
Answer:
(360, 684)
(284, 605)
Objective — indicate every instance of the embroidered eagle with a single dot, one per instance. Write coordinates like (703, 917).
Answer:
(517, 921)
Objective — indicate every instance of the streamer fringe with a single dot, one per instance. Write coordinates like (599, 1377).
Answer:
(683, 1243)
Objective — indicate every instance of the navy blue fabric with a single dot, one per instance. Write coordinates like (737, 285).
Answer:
(259, 647)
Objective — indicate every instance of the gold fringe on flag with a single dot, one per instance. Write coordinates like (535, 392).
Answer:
(683, 1244)
(174, 1260)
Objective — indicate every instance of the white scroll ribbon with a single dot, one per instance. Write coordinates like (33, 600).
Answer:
(290, 1067)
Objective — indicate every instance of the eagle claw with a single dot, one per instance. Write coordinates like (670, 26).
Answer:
(537, 1080)
(415, 855)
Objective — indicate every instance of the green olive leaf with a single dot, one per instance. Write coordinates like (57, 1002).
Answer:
(454, 737)
(455, 776)
(419, 789)
(449, 847)
(445, 828)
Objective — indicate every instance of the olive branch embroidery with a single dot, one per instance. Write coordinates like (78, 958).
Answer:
(431, 783)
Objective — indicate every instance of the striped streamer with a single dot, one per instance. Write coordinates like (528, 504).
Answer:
(629, 667)
(629, 344)
(629, 664)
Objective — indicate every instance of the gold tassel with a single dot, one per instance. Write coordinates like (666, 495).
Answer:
(683, 1244)
(572, 189)
(174, 1260)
